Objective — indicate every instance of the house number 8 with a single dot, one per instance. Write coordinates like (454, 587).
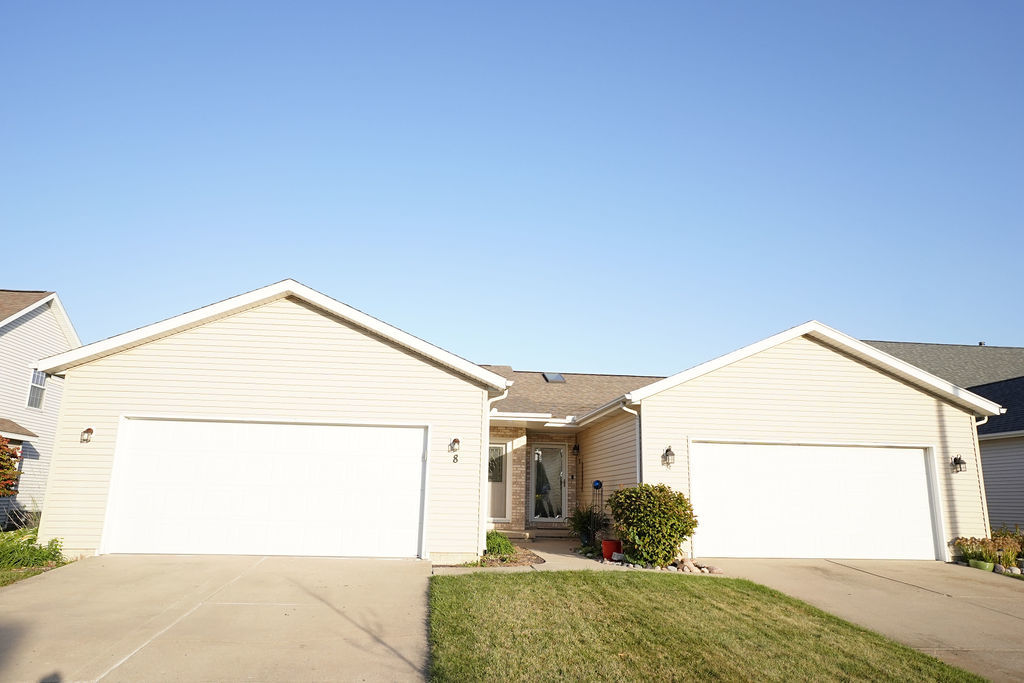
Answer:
(455, 457)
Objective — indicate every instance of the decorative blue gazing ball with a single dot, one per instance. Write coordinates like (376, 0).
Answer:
(598, 484)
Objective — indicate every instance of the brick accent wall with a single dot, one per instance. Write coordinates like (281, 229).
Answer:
(514, 439)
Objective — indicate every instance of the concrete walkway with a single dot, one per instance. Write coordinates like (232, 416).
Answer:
(166, 618)
(966, 617)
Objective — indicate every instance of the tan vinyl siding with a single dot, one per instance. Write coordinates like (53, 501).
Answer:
(280, 361)
(608, 451)
(803, 390)
(1003, 464)
(35, 335)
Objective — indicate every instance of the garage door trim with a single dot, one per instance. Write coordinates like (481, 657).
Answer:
(937, 504)
(119, 447)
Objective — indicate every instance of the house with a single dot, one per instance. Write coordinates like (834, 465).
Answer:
(33, 324)
(282, 421)
(996, 373)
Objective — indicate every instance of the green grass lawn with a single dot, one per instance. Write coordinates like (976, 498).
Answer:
(645, 626)
(9, 576)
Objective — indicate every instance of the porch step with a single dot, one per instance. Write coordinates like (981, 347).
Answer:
(537, 533)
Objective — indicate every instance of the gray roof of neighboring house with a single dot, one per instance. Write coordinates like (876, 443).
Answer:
(12, 427)
(994, 372)
(14, 300)
(579, 394)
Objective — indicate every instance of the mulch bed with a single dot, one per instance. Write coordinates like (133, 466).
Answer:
(522, 558)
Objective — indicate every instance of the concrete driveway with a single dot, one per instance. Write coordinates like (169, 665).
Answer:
(966, 617)
(134, 618)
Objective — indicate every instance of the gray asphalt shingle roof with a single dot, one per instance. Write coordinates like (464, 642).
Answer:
(578, 394)
(14, 300)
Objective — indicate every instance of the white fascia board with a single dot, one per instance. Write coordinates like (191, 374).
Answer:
(520, 416)
(60, 362)
(977, 404)
(16, 437)
(1001, 435)
(601, 411)
(62, 318)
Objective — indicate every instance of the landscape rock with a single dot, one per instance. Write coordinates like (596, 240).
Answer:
(716, 570)
(704, 570)
(673, 569)
(1015, 570)
(999, 569)
(688, 564)
(617, 557)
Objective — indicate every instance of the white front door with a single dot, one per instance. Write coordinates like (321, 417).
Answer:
(812, 501)
(242, 488)
(548, 482)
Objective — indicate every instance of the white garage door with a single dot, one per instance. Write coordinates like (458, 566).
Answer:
(265, 489)
(811, 501)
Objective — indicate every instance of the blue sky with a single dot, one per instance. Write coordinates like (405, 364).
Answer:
(557, 186)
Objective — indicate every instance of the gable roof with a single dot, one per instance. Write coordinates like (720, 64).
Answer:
(995, 372)
(286, 288)
(834, 338)
(578, 395)
(9, 429)
(15, 303)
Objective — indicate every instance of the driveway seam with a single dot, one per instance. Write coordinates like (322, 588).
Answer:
(888, 578)
(177, 621)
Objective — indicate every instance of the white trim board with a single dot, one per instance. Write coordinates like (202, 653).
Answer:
(62, 317)
(63, 361)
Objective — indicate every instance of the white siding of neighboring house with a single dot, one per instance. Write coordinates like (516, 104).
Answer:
(1003, 462)
(35, 335)
(608, 451)
(284, 361)
(804, 390)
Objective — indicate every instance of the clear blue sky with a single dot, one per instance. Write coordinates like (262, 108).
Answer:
(557, 186)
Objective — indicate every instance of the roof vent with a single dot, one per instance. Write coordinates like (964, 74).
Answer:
(553, 377)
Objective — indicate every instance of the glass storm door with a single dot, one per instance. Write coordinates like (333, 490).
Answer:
(549, 483)
(497, 478)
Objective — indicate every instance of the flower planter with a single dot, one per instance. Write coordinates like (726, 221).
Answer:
(983, 566)
(609, 547)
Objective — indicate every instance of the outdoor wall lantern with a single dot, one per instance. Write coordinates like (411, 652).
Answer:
(598, 485)
(668, 458)
(86, 436)
(576, 449)
(454, 446)
(959, 464)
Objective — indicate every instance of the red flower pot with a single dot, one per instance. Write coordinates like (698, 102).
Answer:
(609, 547)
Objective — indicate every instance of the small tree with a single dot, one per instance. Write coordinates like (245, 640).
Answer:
(653, 521)
(9, 472)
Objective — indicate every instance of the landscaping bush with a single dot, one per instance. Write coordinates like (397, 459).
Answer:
(652, 521)
(587, 524)
(19, 549)
(498, 544)
(1008, 548)
(980, 549)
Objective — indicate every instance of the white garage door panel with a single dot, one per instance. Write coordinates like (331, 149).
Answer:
(811, 501)
(265, 489)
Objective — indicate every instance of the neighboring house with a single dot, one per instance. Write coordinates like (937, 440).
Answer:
(32, 325)
(284, 422)
(997, 373)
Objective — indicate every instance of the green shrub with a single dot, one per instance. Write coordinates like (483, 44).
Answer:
(19, 549)
(587, 524)
(983, 549)
(498, 544)
(652, 521)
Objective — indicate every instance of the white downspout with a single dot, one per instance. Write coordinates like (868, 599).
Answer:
(639, 449)
(485, 440)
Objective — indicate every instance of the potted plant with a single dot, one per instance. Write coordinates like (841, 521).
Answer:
(980, 553)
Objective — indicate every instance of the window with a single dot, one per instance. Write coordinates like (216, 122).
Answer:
(496, 465)
(37, 389)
